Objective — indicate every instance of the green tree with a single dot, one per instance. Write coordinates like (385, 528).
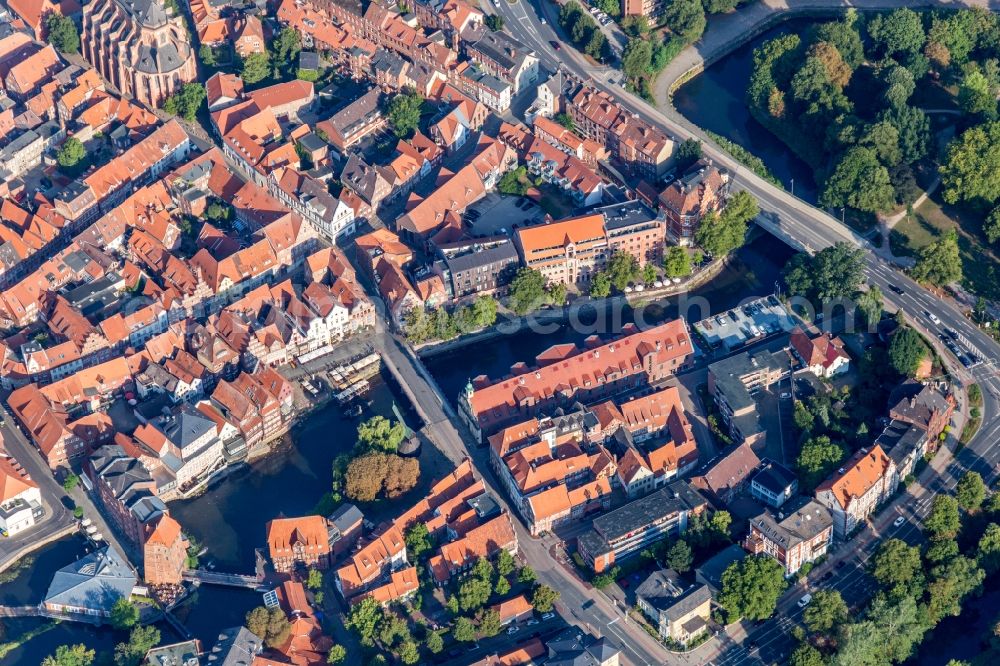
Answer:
(686, 19)
(186, 102)
(976, 95)
(336, 655)
(940, 262)
(505, 563)
(941, 550)
(555, 293)
(464, 630)
(140, 641)
(622, 269)
(393, 630)
(380, 434)
(636, 26)
(502, 587)
(970, 491)
(991, 226)
(870, 304)
(907, 351)
(751, 587)
(899, 32)
(124, 614)
(913, 128)
(988, 549)
(951, 582)
(679, 557)
(315, 580)
(484, 311)
(70, 482)
(887, 635)
(637, 58)
(494, 22)
(609, 7)
(434, 642)
(806, 655)
(418, 541)
(943, 521)
(833, 272)
(490, 625)
(883, 138)
(473, 593)
(207, 56)
(566, 121)
(526, 575)
(845, 37)
(527, 291)
(721, 234)
(687, 153)
(971, 169)
(543, 597)
(409, 653)
(285, 48)
(720, 6)
(62, 33)
(860, 181)
(825, 612)
(70, 655)
(404, 113)
(600, 285)
(676, 262)
(255, 68)
(364, 619)
(514, 182)
(72, 157)
(819, 456)
(896, 564)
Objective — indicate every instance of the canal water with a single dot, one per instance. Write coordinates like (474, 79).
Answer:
(751, 273)
(716, 100)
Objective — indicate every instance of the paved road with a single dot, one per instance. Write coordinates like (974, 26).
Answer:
(57, 517)
(53, 494)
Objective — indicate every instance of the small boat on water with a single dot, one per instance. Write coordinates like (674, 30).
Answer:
(353, 411)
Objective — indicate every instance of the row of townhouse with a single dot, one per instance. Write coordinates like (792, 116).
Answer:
(566, 374)
(557, 469)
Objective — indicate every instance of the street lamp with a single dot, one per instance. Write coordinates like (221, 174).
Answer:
(793, 187)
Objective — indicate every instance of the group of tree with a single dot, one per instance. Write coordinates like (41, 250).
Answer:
(422, 325)
(514, 182)
(186, 102)
(907, 351)
(918, 586)
(844, 109)
(140, 641)
(583, 31)
(403, 113)
(270, 624)
(72, 157)
(372, 624)
(835, 272)
(62, 33)
(751, 588)
(622, 269)
(374, 469)
(939, 262)
(721, 233)
(678, 262)
(529, 291)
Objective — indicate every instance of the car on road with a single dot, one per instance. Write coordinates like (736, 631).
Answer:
(932, 317)
(512, 630)
(555, 45)
(896, 290)
(899, 521)
(587, 604)
(751, 647)
(786, 395)
(804, 601)
(548, 616)
(543, 21)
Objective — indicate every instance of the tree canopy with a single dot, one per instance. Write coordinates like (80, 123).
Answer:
(970, 491)
(70, 655)
(62, 33)
(255, 68)
(72, 157)
(860, 181)
(819, 456)
(376, 473)
(404, 113)
(833, 272)
(907, 351)
(721, 233)
(971, 169)
(186, 102)
(940, 262)
(380, 434)
(527, 291)
(751, 587)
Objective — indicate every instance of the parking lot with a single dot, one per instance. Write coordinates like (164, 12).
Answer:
(737, 327)
(498, 214)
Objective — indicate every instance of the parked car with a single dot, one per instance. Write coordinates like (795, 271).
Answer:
(804, 601)
(898, 522)
(548, 616)
(512, 630)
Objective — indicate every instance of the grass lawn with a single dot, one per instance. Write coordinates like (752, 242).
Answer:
(555, 203)
(933, 218)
